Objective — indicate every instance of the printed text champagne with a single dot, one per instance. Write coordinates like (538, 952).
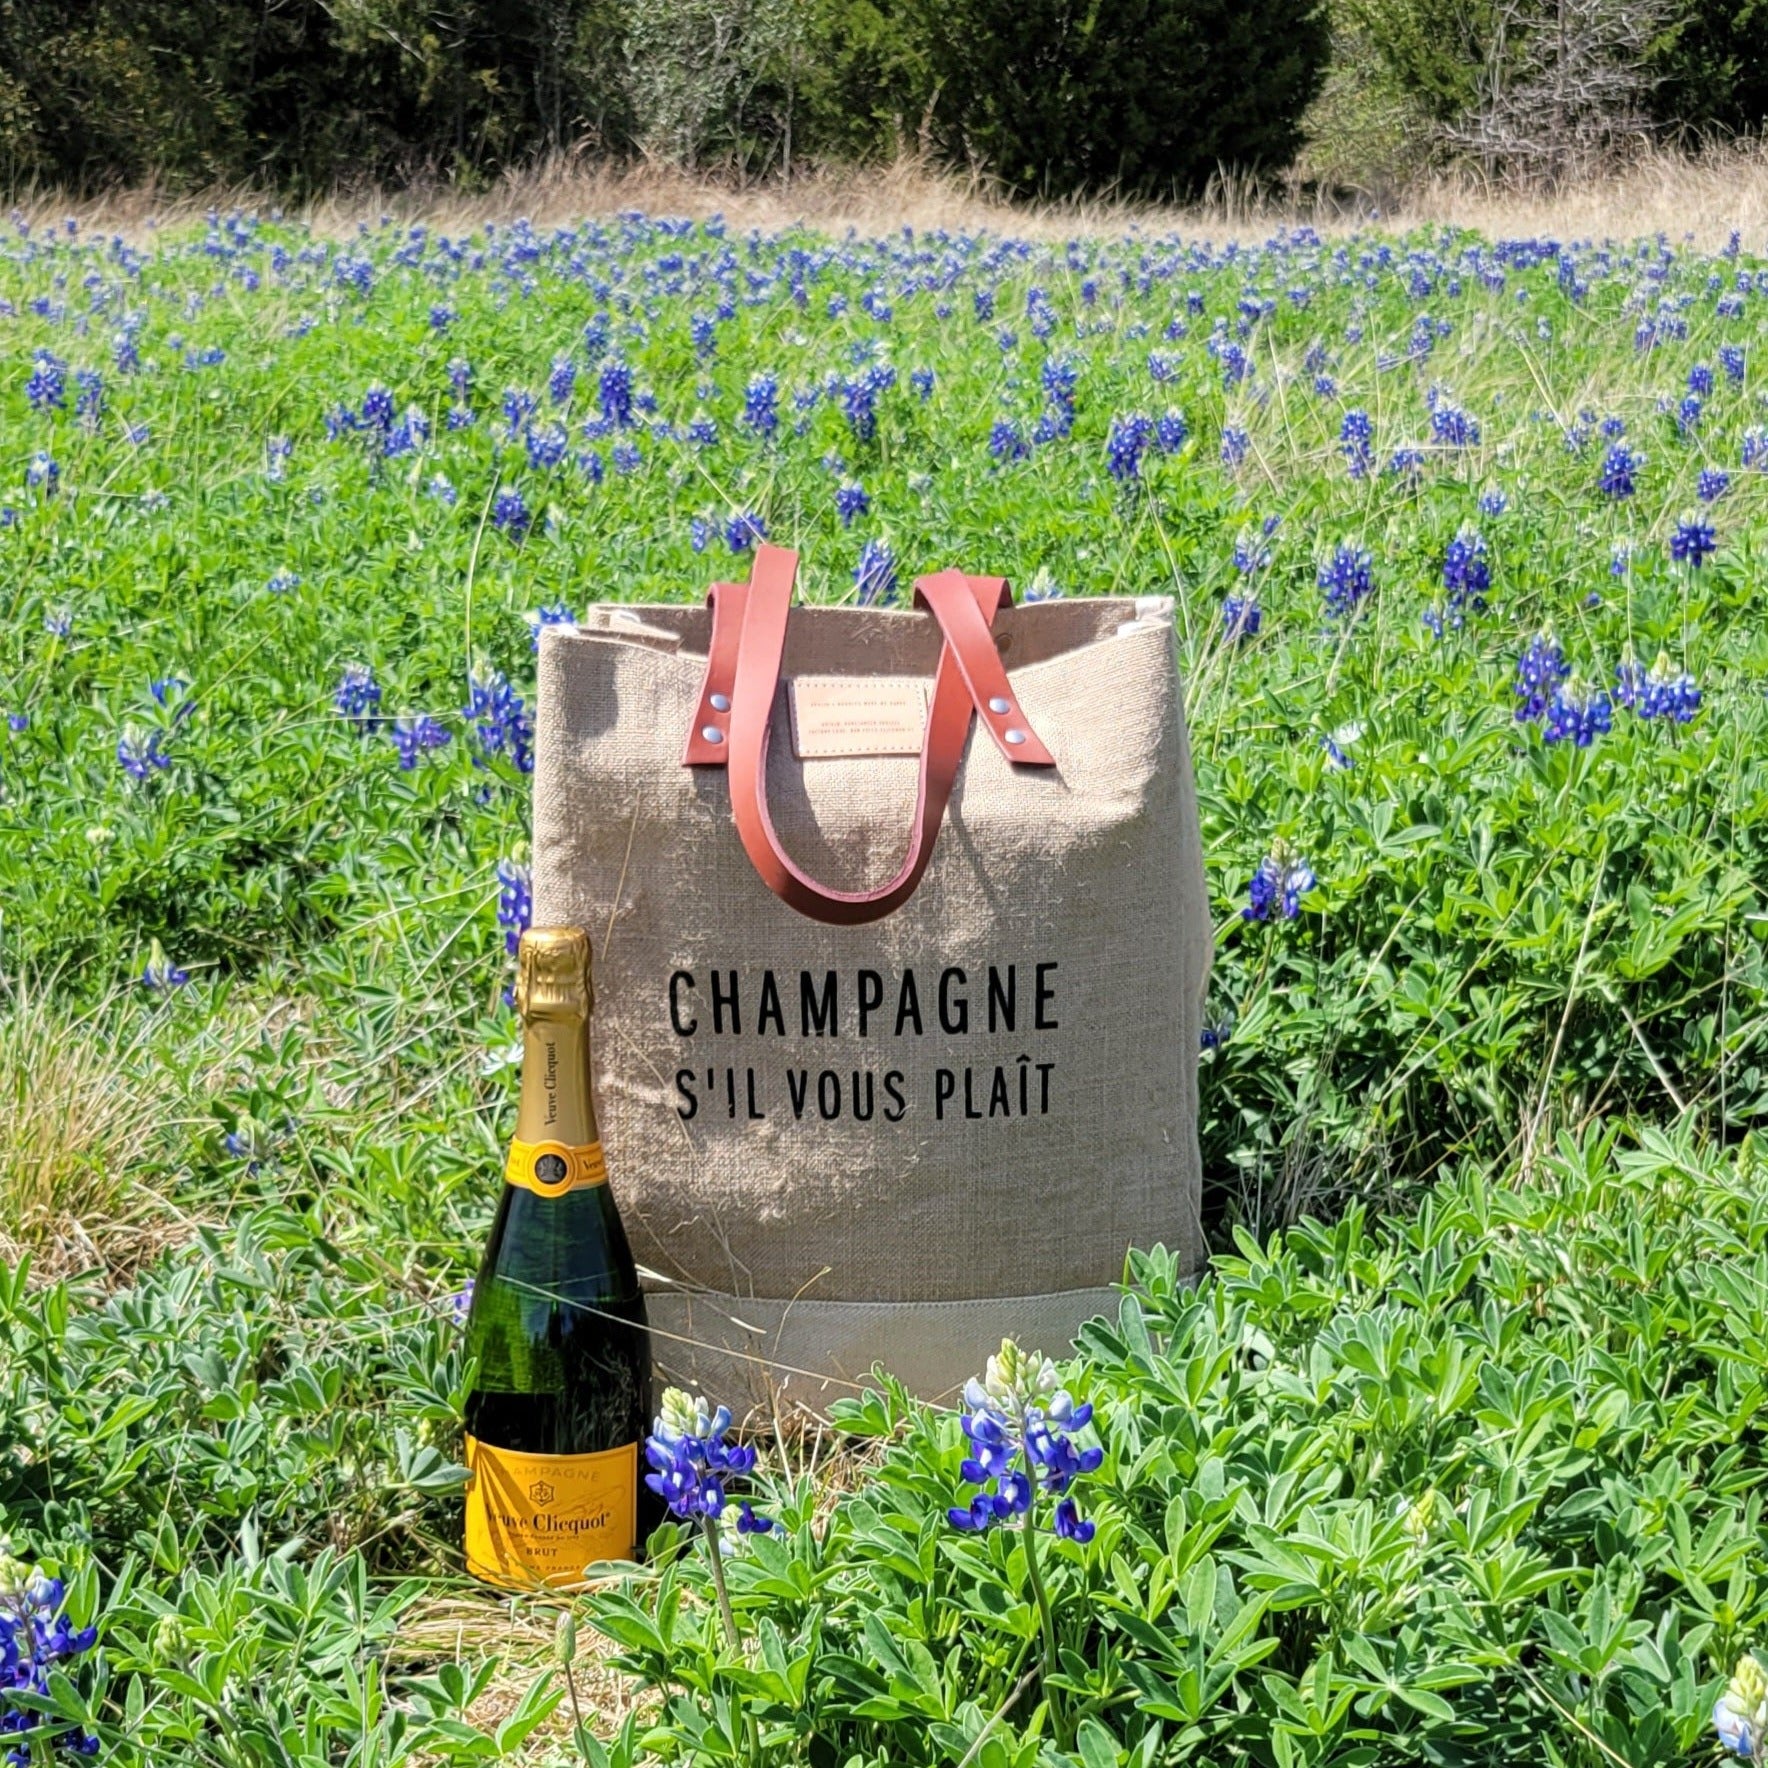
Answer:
(562, 1394)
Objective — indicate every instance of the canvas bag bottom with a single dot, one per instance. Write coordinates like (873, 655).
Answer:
(803, 1355)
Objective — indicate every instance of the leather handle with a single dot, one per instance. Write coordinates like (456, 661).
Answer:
(733, 722)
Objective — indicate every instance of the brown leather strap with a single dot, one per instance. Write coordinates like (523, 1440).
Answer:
(744, 671)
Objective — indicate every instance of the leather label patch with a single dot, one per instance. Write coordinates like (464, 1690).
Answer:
(842, 715)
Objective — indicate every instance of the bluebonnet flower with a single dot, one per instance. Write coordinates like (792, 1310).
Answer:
(510, 513)
(1619, 467)
(615, 394)
(1740, 1715)
(377, 408)
(546, 445)
(1235, 443)
(140, 752)
(1125, 445)
(43, 473)
(460, 1304)
(1688, 415)
(1663, 691)
(1356, 441)
(1006, 443)
(562, 382)
(515, 901)
(36, 1641)
(1732, 360)
(441, 318)
(89, 402)
(1694, 540)
(1406, 461)
(1242, 616)
(921, 380)
(1043, 587)
(699, 533)
(1539, 672)
(47, 387)
(283, 581)
(412, 735)
(277, 450)
(518, 406)
(1578, 713)
(1466, 575)
(626, 457)
(59, 622)
(358, 696)
(761, 404)
(1251, 549)
(501, 722)
(160, 975)
(1347, 578)
(703, 430)
(1700, 379)
(1337, 744)
(875, 575)
(859, 400)
(1755, 448)
(744, 530)
(553, 614)
(1620, 558)
(691, 1462)
(442, 490)
(1283, 878)
(851, 500)
(1020, 1424)
(1712, 484)
(1171, 432)
(18, 722)
(1450, 426)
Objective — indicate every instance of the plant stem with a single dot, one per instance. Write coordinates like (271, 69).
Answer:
(715, 1549)
(1044, 1615)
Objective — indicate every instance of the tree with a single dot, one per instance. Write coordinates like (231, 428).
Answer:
(1147, 96)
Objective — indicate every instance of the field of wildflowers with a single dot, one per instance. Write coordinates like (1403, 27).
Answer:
(1465, 537)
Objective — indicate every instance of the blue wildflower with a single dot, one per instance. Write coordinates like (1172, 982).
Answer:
(160, 975)
(874, 576)
(358, 696)
(851, 500)
(546, 445)
(1171, 432)
(412, 735)
(691, 1462)
(761, 405)
(1619, 467)
(140, 752)
(1732, 360)
(1019, 1426)
(1006, 443)
(1577, 713)
(510, 513)
(1694, 541)
(47, 387)
(744, 530)
(1283, 878)
(515, 901)
(1347, 578)
(553, 614)
(501, 723)
(615, 394)
(921, 380)
(442, 490)
(1700, 379)
(1663, 691)
(1235, 444)
(562, 381)
(1493, 504)
(1242, 616)
(1539, 672)
(1356, 441)
(1712, 484)
(1740, 1715)
(1466, 575)
(1125, 445)
(43, 473)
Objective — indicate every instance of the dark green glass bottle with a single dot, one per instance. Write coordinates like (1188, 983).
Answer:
(561, 1399)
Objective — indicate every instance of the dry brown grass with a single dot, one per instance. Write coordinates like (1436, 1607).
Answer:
(1704, 196)
(81, 1108)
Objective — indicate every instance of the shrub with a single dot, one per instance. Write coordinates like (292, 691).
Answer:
(1147, 95)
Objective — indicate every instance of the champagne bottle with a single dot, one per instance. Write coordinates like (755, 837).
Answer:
(562, 1397)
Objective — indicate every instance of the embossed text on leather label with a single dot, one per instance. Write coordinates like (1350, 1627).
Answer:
(841, 715)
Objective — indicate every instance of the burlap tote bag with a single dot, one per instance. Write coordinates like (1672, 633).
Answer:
(901, 942)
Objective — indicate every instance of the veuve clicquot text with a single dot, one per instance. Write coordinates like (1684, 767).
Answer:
(562, 1395)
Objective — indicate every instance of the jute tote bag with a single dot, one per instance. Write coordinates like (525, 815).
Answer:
(901, 943)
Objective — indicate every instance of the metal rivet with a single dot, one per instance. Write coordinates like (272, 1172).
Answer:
(712, 733)
(997, 704)
(721, 702)
(1014, 736)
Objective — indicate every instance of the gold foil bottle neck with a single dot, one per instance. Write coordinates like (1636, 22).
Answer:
(552, 974)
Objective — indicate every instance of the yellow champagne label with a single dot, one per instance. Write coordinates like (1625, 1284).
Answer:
(550, 1169)
(540, 1519)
